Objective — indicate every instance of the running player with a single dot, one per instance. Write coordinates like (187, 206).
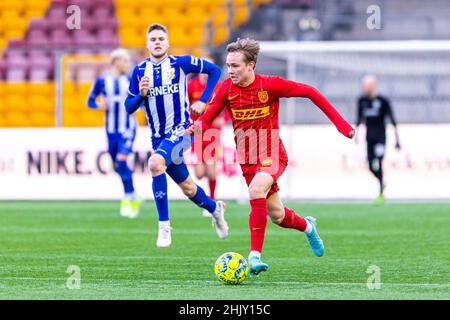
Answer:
(159, 85)
(373, 109)
(120, 127)
(253, 102)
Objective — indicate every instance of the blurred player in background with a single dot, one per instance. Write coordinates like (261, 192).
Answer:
(206, 163)
(159, 83)
(252, 101)
(120, 126)
(373, 109)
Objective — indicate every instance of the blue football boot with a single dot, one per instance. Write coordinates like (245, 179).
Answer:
(313, 238)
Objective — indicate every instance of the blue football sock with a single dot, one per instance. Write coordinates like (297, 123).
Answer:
(203, 201)
(159, 186)
(126, 176)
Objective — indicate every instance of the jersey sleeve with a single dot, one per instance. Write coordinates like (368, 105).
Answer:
(283, 88)
(190, 64)
(96, 90)
(133, 88)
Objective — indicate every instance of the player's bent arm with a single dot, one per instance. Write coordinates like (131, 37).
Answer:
(213, 72)
(95, 92)
(132, 103)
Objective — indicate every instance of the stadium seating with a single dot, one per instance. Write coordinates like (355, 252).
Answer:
(27, 70)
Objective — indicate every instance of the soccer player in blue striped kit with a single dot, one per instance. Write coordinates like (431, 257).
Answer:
(120, 126)
(158, 84)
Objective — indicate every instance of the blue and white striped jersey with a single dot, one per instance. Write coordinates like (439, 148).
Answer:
(114, 90)
(167, 102)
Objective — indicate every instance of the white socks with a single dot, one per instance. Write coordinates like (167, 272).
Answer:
(164, 224)
(254, 253)
(308, 227)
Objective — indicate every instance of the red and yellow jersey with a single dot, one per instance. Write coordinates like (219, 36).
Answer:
(254, 113)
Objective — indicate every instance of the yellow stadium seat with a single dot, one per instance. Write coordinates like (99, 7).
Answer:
(92, 118)
(2, 120)
(72, 105)
(70, 119)
(121, 4)
(241, 14)
(42, 119)
(41, 103)
(36, 4)
(69, 88)
(12, 5)
(16, 102)
(18, 88)
(44, 88)
(17, 119)
(219, 18)
(221, 34)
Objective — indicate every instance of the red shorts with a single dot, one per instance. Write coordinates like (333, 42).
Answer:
(275, 169)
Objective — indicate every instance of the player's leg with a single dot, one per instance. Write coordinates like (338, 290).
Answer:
(113, 149)
(375, 153)
(157, 166)
(126, 174)
(287, 218)
(211, 175)
(258, 189)
(180, 174)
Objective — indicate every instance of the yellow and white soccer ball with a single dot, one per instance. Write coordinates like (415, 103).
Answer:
(231, 268)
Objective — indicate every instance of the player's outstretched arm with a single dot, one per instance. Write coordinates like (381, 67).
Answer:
(287, 88)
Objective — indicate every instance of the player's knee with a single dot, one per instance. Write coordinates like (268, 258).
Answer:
(276, 219)
(256, 191)
(189, 189)
(156, 165)
(276, 215)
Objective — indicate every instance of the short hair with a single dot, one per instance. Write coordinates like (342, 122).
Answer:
(119, 53)
(157, 26)
(248, 47)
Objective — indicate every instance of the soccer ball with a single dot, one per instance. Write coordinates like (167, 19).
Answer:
(231, 268)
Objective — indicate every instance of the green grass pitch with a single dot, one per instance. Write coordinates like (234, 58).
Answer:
(118, 258)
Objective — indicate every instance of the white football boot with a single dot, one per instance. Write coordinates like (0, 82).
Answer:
(164, 237)
(218, 220)
(206, 213)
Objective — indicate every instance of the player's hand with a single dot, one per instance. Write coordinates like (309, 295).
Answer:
(103, 105)
(144, 85)
(198, 108)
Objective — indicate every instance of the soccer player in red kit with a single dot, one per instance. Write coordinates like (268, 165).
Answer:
(206, 165)
(253, 102)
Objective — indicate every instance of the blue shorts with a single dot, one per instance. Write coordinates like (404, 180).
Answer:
(171, 147)
(119, 143)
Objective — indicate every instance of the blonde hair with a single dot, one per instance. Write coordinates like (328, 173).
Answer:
(118, 53)
(248, 47)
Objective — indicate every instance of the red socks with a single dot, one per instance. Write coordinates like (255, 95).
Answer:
(212, 188)
(293, 221)
(257, 222)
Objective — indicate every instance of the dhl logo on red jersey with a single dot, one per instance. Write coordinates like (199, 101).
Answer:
(250, 114)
